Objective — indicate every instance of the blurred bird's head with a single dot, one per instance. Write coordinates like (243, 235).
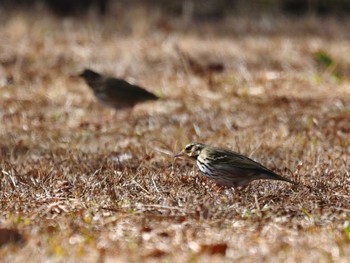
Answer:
(192, 150)
(89, 75)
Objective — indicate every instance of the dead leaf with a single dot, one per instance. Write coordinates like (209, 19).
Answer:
(214, 249)
(156, 253)
(8, 236)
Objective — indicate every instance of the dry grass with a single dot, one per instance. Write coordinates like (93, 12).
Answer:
(81, 182)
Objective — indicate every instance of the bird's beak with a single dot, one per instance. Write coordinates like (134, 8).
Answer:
(180, 154)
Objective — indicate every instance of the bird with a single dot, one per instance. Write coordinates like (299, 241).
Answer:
(114, 92)
(227, 168)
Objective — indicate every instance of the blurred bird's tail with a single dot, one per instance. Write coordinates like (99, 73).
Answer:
(275, 176)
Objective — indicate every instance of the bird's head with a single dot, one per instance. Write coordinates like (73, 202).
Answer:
(192, 150)
(89, 75)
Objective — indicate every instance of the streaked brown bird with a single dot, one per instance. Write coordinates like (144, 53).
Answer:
(227, 168)
(114, 92)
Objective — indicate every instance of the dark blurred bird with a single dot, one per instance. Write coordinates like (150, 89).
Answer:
(227, 168)
(116, 93)
(76, 7)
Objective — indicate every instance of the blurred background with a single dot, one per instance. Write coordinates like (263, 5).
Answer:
(204, 9)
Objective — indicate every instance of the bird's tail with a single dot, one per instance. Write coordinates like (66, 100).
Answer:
(275, 176)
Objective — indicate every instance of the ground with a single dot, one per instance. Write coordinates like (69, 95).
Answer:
(82, 182)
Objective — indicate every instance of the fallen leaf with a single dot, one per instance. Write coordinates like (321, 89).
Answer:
(214, 249)
(156, 253)
(10, 236)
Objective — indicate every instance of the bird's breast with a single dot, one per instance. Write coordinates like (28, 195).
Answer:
(205, 168)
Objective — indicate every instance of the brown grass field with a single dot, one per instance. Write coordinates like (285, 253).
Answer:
(80, 182)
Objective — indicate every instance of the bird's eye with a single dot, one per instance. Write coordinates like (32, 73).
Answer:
(188, 148)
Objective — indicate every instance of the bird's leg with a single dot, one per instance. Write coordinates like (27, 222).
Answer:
(203, 181)
(244, 188)
(219, 188)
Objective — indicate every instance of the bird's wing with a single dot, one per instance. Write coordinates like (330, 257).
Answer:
(231, 158)
(226, 160)
(125, 90)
